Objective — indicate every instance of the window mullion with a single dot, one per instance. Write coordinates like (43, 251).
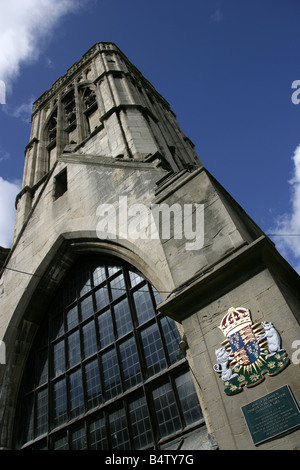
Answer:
(152, 414)
(127, 418)
(136, 332)
(163, 340)
(102, 384)
(177, 399)
(120, 366)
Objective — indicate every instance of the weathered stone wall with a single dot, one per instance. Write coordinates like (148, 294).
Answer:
(267, 304)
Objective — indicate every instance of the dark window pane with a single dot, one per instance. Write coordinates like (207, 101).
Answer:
(69, 292)
(188, 398)
(140, 423)
(113, 269)
(76, 394)
(99, 275)
(78, 438)
(89, 339)
(122, 316)
(166, 410)
(153, 350)
(92, 384)
(157, 296)
(60, 183)
(135, 278)
(58, 358)
(97, 433)
(117, 286)
(87, 308)
(42, 367)
(143, 304)
(28, 410)
(118, 430)
(106, 331)
(83, 280)
(59, 402)
(72, 318)
(74, 354)
(111, 374)
(60, 442)
(130, 363)
(101, 297)
(172, 339)
(42, 412)
(57, 326)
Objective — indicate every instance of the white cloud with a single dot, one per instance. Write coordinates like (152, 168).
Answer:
(23, 111)
(8, 192)
(4, 155)
(288, 225)
(24, 27)
(49, 63)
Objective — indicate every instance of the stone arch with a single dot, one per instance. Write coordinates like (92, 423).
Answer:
(27, 317)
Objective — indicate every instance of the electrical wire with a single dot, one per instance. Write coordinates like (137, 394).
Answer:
(124, 289)
(169, 293)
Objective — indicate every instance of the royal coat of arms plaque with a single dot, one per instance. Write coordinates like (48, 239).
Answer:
(249, 351)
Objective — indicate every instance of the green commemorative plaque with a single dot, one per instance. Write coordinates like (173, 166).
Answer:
(272, 415)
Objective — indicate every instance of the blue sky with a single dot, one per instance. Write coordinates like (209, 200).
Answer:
(226, 68)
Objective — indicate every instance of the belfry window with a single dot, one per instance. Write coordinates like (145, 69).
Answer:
(90, 108)
(51, 139)
(70, 123)
(106, 370)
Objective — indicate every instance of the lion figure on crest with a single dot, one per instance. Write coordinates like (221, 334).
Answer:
(223, 358)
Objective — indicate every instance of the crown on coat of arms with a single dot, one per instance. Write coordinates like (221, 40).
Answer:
(234, 320)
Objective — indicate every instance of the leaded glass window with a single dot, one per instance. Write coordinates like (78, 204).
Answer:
(106, 370)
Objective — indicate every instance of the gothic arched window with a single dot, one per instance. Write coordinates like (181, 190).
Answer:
(51, 139)
(106, 370)
(90, 108)
(70, 122)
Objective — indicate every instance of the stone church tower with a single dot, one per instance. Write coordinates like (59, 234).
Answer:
(132, 273)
